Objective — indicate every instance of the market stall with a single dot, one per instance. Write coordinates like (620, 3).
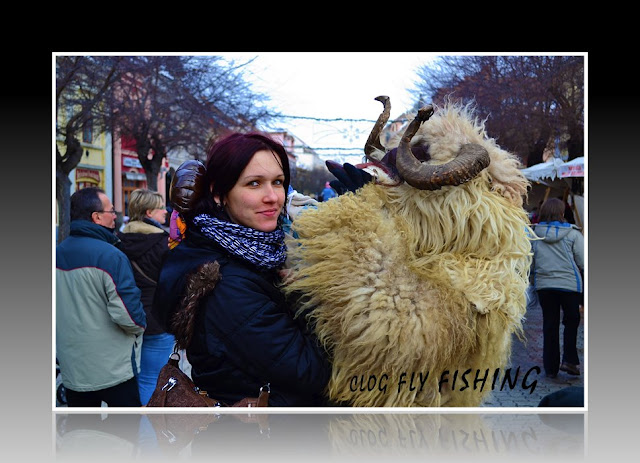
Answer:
(555, 178)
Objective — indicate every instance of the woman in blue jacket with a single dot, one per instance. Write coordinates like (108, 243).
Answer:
(237, 327)
(558, 264)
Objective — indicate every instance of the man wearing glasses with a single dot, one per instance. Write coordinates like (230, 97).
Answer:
(99, 316)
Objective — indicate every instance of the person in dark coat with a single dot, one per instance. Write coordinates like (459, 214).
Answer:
(99, 316)
(572, 396)
(146, 244)
(219, 287)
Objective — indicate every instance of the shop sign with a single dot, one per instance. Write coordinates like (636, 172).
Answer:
(131, 162)
(137, 176)
(87, 174)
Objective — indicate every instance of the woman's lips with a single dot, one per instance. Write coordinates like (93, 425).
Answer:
(269, 213)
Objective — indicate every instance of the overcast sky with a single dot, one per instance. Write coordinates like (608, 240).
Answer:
(332, 85)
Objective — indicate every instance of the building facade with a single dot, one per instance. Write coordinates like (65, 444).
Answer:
(129, 175)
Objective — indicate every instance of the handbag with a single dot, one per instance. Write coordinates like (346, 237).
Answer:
(175, 389)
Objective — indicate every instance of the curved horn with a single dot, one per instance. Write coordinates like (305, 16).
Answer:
(373, 142)
(467, 164)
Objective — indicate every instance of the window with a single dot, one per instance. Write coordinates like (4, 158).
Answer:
(87, 132)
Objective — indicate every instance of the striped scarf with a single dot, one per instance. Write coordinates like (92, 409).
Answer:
(266, 250)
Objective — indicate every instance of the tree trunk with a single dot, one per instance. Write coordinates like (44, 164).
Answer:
(535, 155)
(63, 197)
(575, 144)
(151, 166)
(536, 152)
(151, 171)
(155, 148)
(64, 165)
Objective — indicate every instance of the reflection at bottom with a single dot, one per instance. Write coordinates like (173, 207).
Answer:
(202, 436)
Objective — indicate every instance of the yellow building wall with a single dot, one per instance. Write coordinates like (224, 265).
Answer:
(92, 168)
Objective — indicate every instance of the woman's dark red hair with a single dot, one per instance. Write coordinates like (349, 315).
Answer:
(226, 159)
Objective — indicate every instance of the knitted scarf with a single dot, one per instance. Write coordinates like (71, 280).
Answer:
(266, 250)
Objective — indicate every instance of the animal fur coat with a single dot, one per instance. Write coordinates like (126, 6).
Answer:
(408, 286)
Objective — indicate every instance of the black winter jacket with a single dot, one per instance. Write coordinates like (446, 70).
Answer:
(147, 245)
(245, 335)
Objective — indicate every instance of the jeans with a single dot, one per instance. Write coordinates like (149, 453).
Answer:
(156, 349)
(122, 395)
(552, 301)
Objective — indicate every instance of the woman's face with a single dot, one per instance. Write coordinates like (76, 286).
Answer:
(159, 215)
(257, 198)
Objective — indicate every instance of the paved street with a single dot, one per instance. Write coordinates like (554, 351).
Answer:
(526, 355)
(529, 354)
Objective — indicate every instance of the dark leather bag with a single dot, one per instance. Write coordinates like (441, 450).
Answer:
(175, 389)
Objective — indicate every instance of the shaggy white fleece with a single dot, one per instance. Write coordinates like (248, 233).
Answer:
(404, 284)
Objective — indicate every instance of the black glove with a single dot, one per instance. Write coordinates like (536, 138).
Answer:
(349, 177)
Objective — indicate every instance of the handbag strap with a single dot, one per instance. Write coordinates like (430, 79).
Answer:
(261, 401)
(137, 267)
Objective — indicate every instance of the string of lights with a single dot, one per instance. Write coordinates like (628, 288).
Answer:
(336, 119)
(336, 149)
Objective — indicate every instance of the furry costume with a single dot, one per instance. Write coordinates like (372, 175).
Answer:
(405, 284)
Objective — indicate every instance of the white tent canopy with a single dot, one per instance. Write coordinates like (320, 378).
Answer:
(556, 174)
(573, 168)
(555, 169)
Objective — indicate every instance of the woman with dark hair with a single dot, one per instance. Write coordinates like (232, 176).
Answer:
(219, 287)
(558, 262)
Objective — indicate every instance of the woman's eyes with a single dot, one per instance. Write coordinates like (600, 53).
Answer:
(278, 182)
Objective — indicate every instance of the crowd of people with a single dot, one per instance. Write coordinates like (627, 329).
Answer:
(126, 300)
(136, 292)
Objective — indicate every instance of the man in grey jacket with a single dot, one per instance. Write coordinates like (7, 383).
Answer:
(99, 316)
(557, 268)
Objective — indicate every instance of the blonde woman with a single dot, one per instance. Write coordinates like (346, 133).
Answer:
(146, 244)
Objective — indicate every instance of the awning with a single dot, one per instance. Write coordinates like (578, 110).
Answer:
(573, 168)
(555, 168)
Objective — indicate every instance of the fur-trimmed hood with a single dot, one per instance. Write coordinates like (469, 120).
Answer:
(139, 226)
(138, 238)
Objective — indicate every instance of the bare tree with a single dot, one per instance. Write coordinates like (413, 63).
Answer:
(529, 100)
(170, 102)
(82, 84)
(566, 86)
(160, 102)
